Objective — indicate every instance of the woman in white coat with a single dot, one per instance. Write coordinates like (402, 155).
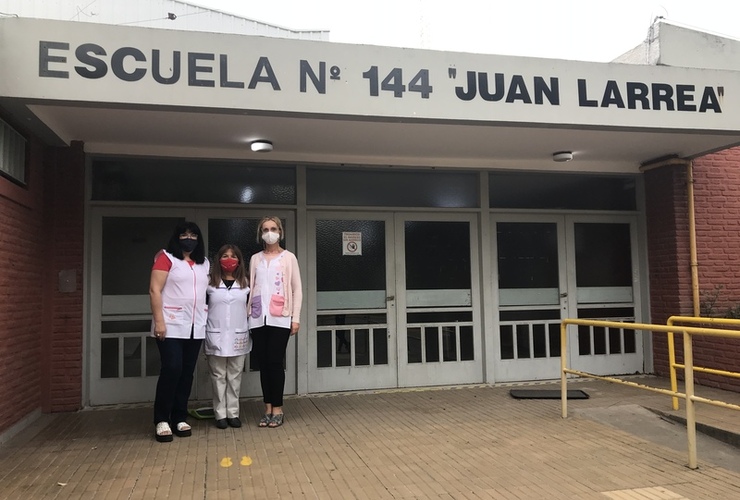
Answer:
(227, 333)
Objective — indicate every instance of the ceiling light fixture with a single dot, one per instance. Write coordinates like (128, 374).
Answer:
(261, 146)
(561, 156)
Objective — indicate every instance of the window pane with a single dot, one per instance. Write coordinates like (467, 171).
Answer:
(135, 241)
(630, 341)
(599, 340)
(603, 255)
(554, 332)
(522, 341)
(615, 341)
(431, 343)
(362, 347)
(507, 342)
(344, 348)
(323, 349)
(527, 255)
(437, 255)
(413, 345)
(584, 340)
(449, 343)
(539, 340)
(132, 357)
(350, 281)
(241, 232)
(467, 349)
(561, 191)
(109, 358)
(380, 346)
(130, 326)
(385, 188)
(152, 180)
(12, 154)
(152, 357)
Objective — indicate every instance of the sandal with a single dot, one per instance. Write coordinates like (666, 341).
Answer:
(265, 420)
(183, 429)
(163, 433)
(276, 420)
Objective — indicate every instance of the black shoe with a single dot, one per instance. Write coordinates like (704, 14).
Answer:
(221, 423)
(234, 422)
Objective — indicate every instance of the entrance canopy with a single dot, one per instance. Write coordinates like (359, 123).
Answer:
(139, 91)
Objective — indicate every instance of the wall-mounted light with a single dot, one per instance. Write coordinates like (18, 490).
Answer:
(261, 146)
(561, 156)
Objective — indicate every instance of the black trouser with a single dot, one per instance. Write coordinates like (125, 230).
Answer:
(178, 358)
(269, 344)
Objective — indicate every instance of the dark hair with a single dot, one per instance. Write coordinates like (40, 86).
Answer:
(199, 254)
(240, 274)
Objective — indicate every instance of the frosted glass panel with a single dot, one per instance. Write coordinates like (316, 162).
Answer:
(603, 255)
(192, 181)
(384, 188)
(129, 247)
(572, 191)
(239, 232)
(528, 259)
(437, 256)
(362, 273)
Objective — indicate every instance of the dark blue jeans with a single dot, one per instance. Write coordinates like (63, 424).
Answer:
(269, 344)
(178, 358)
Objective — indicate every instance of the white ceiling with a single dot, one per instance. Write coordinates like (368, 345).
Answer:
(332, 140)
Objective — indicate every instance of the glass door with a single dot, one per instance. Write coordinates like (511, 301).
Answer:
(352, 340)
(605, 282)
(124, 360)
(551, 267)
(438, 317)
(532, 296)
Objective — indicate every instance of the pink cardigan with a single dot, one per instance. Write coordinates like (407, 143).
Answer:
(293, 286)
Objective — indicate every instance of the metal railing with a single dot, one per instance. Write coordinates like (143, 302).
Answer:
(672, 349)
(689, 396)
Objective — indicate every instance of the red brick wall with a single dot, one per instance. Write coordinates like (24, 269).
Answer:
(668, 252)
(717, 211)
(41, 328)
(64, 221)
(717, 199)
(21, 292)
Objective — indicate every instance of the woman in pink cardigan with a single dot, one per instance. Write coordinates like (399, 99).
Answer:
(274, 313)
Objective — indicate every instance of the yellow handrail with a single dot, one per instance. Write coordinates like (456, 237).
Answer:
(672, 349)
(688, 365)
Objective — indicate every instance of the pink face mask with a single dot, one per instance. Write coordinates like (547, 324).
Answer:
(228, 264)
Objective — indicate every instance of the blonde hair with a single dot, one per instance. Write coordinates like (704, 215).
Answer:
(277, 222)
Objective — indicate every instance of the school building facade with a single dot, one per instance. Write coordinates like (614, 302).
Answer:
(447, 209)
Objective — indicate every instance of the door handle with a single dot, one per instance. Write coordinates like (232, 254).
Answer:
(563, 295)
(389, 298)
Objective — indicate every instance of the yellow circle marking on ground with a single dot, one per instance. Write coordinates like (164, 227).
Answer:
(226, 462)
(246, 460)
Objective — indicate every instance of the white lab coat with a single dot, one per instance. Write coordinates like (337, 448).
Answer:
(227, 330)
(184, 300)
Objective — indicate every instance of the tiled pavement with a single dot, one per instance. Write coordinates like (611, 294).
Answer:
(448, 443)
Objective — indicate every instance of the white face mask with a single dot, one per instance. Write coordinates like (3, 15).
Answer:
(270, 238)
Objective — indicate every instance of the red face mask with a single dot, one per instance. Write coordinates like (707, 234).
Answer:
(229, 264)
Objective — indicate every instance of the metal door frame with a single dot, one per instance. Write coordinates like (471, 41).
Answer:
(438, 373)
(538, 369)
(337, 378)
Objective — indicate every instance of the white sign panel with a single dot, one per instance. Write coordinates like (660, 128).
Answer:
(87, 62)
(351, 243)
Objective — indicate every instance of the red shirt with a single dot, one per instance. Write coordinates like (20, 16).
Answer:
(162, 262)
